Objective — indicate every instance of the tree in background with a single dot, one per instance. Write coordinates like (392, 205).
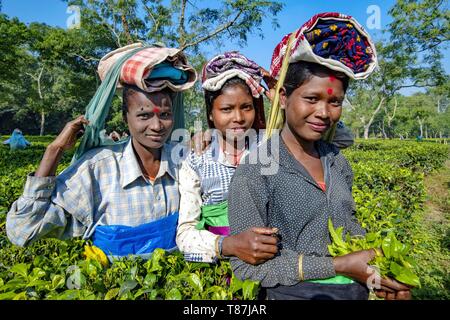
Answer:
(411, 58)
(41, 76)
(49, 73)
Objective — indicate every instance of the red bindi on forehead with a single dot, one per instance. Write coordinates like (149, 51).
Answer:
(156, 110)
(330, 91)
(332, 78)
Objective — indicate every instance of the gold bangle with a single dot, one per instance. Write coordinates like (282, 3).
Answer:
(300, 268)
(217, 248)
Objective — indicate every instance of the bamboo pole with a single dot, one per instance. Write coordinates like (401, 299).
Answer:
(276, 120)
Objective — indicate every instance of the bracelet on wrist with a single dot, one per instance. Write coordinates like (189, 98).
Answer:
(220, 245)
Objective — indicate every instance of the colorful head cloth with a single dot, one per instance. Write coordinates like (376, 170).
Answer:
(334, 40)
(232, 64)
(229, 65)
(151, 69)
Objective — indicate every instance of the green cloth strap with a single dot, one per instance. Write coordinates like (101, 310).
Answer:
(214, 215)
(178, 111)
(334, 280)
(98, 108)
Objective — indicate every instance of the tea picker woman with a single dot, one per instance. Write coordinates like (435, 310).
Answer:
(17, 141)
(234, 107)
(124, 196)
(314, 181)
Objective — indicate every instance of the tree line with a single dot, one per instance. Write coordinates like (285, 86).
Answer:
(49, 73)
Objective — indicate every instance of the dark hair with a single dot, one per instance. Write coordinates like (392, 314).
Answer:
(129, 90)
(210, 96)
(301, 71)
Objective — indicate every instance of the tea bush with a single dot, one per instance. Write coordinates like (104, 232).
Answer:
(389, 195)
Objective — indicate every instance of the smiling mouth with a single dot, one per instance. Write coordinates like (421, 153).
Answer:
(318, 127)
(156, 137)
(238, 129)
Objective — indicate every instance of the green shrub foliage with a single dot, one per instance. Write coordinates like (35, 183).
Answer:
(389, 196)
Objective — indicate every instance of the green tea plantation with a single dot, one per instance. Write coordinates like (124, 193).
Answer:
(401, 195)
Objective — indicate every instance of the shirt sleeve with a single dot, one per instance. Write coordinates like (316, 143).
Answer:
(343, 137)
(197, 245)
(59, 207)
(248, 208)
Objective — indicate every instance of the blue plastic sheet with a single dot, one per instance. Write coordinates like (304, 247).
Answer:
(118, 240)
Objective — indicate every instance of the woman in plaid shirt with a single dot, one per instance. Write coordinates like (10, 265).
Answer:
(129, 188)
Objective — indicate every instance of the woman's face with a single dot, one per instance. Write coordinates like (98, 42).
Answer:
(233, 112)
(313, 107)
(149, 118)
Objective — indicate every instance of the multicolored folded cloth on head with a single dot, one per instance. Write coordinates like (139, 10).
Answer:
(134, 65)
(334, 40)
(169, 64)
(229, 65)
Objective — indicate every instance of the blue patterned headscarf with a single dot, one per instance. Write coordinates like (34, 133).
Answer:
(340, 41)
(334, 40)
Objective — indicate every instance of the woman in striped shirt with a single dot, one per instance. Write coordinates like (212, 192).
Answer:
(234, 105)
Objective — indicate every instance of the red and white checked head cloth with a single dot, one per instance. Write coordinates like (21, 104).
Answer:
(137, 68)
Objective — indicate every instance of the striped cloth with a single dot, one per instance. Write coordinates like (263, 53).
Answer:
(229, 65)
(136, 69)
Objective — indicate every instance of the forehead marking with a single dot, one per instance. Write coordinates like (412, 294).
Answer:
(156, 110)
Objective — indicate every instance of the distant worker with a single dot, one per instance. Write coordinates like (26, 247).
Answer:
(17, 141)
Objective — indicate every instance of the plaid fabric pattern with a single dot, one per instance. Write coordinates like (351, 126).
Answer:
(137, 68)
(105, 187)
(204, 180)
(214, 173)
(194, 257)
(333, 39)
(229, 65)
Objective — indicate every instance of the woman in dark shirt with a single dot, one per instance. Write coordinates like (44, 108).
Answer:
(311, 183)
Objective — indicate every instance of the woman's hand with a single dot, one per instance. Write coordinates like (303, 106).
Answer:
(67, 138)
(64, 141)
(398, 295)
(271, 84)
(356, 266)
(200, 141)
(253, 246)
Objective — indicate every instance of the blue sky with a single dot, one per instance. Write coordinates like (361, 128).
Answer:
(295, 12)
